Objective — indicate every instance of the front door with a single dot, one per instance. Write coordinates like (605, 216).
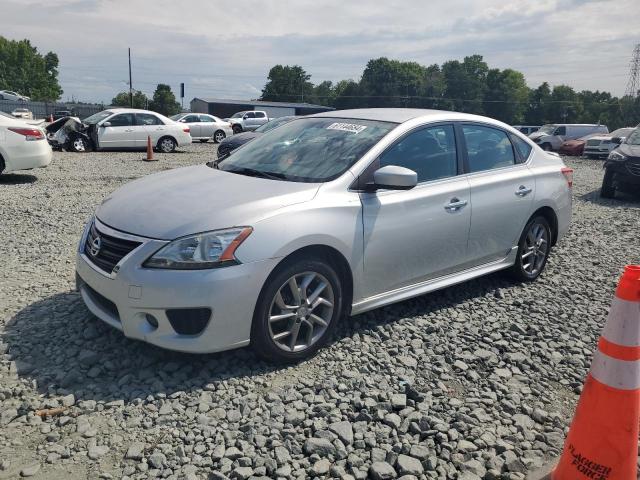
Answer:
(119, 134)
(149, 125)
(415, 235)
(502, 192)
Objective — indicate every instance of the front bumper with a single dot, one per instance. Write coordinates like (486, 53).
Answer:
(126, 298)
(623, 178)
(597, 151)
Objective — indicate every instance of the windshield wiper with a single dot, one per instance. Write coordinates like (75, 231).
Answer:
(252, 172)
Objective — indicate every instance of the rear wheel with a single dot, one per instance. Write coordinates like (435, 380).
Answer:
(166, 145)
(298, 309)
(218, 136)
(608, 189)
(533, 250)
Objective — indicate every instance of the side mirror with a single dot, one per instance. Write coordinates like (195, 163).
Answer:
(393, 177)
(106, 124)
(245, 117)
(616, 140)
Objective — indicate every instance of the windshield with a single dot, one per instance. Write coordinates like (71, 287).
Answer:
(273, 124)
(96, 117)
(547, 129)
(8, 115)
(177, 117)
(634, 137)
(238, 115)
(308, 150)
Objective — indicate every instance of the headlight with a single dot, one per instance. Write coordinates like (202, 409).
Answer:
(616, 156)
(204, 250)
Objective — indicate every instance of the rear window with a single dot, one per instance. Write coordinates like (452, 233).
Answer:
(522, 147)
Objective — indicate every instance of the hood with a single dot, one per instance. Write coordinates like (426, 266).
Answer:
(196, 199)
(240, 138)
(601, 137)
(535, 135)
(573, 143)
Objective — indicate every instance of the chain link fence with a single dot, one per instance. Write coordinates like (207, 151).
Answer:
(42, 110)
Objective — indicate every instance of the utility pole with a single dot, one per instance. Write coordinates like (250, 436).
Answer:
(130, 82)
(633, 85)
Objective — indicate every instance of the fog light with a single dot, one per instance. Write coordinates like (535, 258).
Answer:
(151, 320)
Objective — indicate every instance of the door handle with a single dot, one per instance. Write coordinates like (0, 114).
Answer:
(523, 191)
(159, 128)
(129, 130)
(455, 204)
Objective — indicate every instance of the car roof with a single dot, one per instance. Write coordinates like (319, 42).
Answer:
(401, 115)
(130, 110)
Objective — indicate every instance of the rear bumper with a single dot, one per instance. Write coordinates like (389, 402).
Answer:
(27, 155)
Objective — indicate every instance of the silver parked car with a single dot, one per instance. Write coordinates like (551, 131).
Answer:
(205, 127)
(326, 216)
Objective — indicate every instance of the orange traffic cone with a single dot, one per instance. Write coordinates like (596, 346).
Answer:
(603, 439)
(149, 151)
(50, 118)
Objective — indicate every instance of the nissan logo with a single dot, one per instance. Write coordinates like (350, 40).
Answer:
(94, 247)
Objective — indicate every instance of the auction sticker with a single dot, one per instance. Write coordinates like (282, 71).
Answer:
(347, 127)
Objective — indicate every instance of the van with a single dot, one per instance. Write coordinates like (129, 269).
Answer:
(551, 136)
(527, 129)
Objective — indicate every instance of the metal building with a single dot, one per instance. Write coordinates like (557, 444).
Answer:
(224, 108)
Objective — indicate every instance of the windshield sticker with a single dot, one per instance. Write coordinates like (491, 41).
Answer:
(347, 127)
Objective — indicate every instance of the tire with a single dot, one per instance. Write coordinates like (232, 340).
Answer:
(608, 189)
(204, 140)
(79, 145)
(166, 145)
(535, 241)
(312, 320)
(237, 129)
(546, 147)
(218, 136)
(2, 165)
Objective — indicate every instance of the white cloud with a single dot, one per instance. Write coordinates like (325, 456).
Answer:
(225, 49)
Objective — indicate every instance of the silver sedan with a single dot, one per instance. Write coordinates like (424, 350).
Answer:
(325, 217)
(205, 127)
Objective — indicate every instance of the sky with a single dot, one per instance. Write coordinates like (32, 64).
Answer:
(225, 49)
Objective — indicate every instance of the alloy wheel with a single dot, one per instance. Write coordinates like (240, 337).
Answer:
(78, 145)
(219, 136)
(301, 311)
(166, 145)
(536, 247)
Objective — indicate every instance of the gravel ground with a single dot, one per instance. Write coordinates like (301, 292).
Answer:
(476, 381)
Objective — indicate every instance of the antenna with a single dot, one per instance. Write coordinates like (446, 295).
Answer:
(634, 74)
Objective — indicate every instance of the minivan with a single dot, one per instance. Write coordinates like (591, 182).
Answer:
(551, 136)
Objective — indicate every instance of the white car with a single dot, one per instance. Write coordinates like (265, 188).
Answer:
(22, 146)
(128, 129)
(602, 146)
(23, 113)
(13, 96)
(205, 127)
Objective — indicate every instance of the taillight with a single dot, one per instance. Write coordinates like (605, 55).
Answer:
(568, 175)
(186, 130)
(30, 134)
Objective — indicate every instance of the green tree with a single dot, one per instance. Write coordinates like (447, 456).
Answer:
(506, 95)
(28, 72)
(347, 95)
(466, 83)
(287, 84)
(164, 101)
(539, 102)
(565, 105)
(140, 100)
(324, 93)
(392, 83)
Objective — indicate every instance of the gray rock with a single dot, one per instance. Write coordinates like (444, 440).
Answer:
(157, 460)
(30, 470)
(381, 471)
(319, 446)
(408, 465)
(344, 431)
(135, 451)
(96, 451)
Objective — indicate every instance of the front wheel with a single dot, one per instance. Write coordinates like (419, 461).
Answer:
(298, 309)
(218, 136)
(237, 129)
(533, 250)
(78, 145)
(608, 189)
(167, 145)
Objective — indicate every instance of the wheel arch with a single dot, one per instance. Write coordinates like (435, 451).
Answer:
(166, 136)
(3, 165)
(550, 215)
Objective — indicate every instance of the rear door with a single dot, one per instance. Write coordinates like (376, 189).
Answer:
(194, 125)
(207, 125)
(120, 133)
(149, 125)
(501, 190)
(415, 235)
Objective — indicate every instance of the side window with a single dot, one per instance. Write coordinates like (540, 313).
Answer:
(191, 119)
(430, 152)
(523, 148)
(122, 120)
(206, 118)
(560, 131)
(260, 114)
(488, 148)
(250, 115)
(148, 119)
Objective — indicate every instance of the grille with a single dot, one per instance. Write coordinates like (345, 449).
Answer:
(111, 249)
(104, 302)
(593, 143)
(634, 168)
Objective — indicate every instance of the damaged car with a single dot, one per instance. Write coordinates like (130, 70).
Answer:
(118, 129)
